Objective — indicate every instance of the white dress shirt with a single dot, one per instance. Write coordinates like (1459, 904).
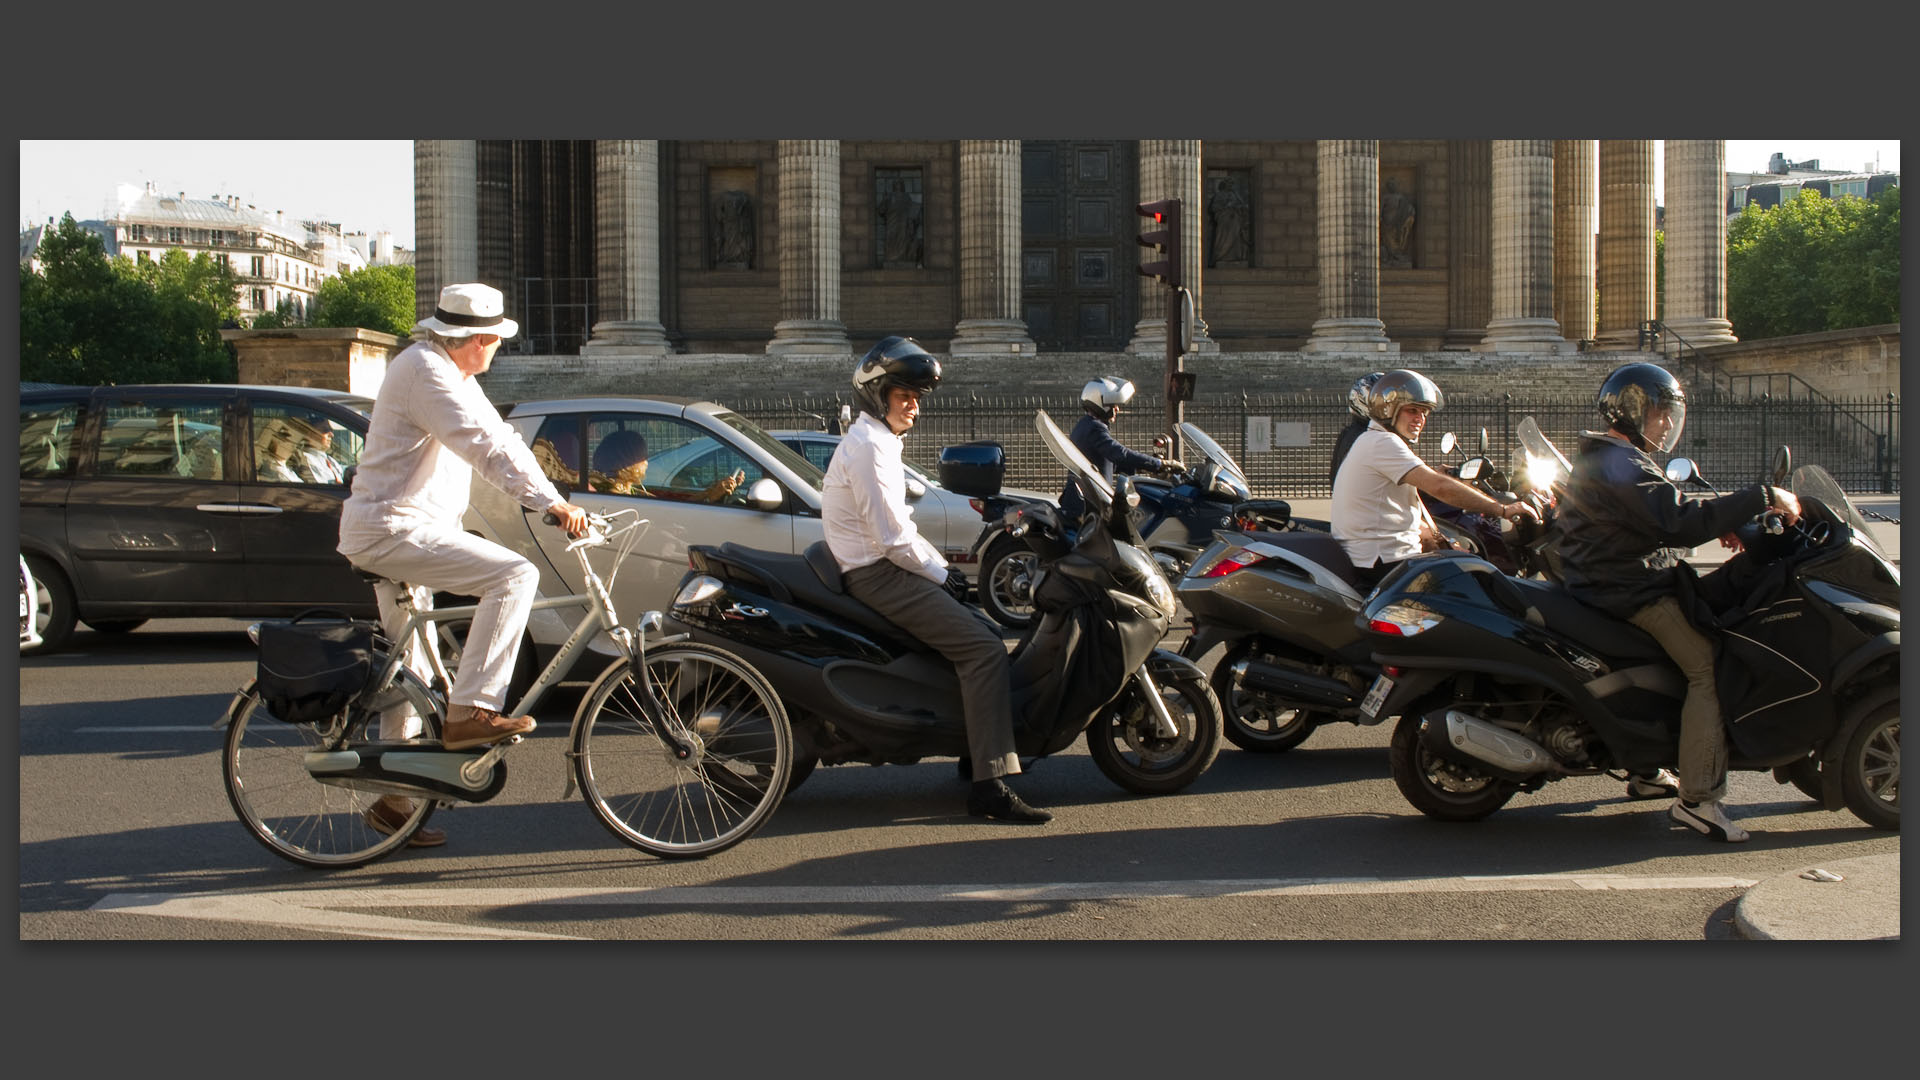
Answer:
(863, 505)
(431, 428)
(1375, 514)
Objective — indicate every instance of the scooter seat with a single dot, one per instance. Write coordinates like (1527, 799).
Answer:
(1321, 547)
(1615, 639)
(812, 580)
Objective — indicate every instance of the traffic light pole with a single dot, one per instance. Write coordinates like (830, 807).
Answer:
(1165, 240)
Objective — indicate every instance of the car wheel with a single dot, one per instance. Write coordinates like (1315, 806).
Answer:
(57, 614)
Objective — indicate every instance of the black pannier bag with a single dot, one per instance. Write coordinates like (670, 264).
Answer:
(309, 669)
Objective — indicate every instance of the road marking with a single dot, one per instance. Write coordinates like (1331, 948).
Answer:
(333, 910)
(143, 729)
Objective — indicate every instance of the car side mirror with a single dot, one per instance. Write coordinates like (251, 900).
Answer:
(764, 494)
(915, 489)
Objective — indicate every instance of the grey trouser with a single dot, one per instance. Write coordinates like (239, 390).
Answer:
(1703, 742)
(963, 636)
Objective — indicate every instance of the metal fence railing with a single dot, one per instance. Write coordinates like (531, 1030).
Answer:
(1733, 441)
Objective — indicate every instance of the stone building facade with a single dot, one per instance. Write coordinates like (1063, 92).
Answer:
(638, 248)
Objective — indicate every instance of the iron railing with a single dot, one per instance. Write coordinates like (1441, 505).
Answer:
(1732, 441)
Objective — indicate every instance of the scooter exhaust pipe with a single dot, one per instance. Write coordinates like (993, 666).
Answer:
(1452, 733)
(1295, 686)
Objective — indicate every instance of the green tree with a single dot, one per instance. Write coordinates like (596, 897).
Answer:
(89, 320)
(1814, 263)
(377, 298)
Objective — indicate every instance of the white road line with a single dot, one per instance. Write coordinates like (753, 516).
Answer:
(332, 910)
(144, 729)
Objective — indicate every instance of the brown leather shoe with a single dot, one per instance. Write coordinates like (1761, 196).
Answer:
(389, 812)
(471, 725)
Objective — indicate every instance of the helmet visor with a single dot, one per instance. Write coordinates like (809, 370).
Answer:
(1663, 425)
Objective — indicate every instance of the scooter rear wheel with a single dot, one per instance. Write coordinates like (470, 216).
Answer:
(1441, 789)
(1008, 576)
(1257, 722)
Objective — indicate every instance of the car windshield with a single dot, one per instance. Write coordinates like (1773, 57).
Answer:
(779, 451)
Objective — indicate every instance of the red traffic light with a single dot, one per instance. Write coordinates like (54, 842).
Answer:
(1164, 240)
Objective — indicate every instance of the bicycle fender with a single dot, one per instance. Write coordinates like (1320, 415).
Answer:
(233, 707)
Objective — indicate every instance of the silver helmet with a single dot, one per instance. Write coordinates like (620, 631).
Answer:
(1100, 395)
(1399, 388)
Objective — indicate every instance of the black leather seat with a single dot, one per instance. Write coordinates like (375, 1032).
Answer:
(1615, 639)
(813, 580)
(1320, 547)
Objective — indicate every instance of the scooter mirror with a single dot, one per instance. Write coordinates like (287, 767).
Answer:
(1447, 443)
(1483, 442)
(1782, 466)
(1680, 470)
(1471, 468)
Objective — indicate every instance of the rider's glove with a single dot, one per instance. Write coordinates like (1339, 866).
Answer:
(1172, 465)
(957, 584)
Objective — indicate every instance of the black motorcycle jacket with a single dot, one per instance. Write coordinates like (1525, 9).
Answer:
(1623, 526)
(1092, 437)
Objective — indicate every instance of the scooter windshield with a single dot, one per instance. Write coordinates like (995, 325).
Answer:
(1812, 481)
(1195, 437)
(1070, 456)
(1539, 451)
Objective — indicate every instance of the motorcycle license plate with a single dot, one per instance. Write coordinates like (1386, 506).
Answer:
(1377, 696)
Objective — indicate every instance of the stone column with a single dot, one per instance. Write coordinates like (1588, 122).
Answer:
(1696, 305)
(626, 187)
(1523, 250)
(1573, 221)
(809, 250)
(990, 316)
(1626, 241)
(1348, 217)
(1170, 169)
(1469, 241)
(446, 212)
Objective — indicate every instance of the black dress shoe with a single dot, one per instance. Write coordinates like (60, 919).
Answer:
(994, 799)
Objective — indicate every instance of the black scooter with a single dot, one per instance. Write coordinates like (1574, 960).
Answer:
(859, 689)
(1504, 684)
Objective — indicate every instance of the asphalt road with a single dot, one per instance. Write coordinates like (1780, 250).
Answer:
(125, 833)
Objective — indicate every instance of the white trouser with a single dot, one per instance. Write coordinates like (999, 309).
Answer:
(441, 558)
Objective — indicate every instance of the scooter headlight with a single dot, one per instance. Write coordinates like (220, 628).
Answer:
(1160, 592)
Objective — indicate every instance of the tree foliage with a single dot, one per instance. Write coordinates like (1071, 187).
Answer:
(90, 320)
(1814, 263)
(377, 298)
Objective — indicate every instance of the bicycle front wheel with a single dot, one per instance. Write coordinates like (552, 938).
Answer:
(295, 816)
(661, 803)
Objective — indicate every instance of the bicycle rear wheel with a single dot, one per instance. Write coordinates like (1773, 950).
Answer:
(708, 802)
(289, 812)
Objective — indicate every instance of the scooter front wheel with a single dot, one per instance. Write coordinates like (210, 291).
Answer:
(1438, 788)
(1123, 745)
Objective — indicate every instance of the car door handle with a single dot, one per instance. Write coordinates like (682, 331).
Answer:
(238, 508)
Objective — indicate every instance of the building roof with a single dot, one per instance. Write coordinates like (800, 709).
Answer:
(151, 207)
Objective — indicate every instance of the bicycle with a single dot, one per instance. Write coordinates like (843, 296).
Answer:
(681, 749)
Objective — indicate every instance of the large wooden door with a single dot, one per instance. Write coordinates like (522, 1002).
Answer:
(1077, 227)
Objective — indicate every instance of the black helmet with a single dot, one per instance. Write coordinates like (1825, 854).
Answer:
(1362, 389)
(1632, 392)
(1399, 388)
(895, 361)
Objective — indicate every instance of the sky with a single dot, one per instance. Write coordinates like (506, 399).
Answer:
(367, 186)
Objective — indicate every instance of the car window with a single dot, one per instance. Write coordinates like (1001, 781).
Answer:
(557, 449)
(177, 437)
(292, 444)
(774, 448)
(664, 457)
(817, 452)
(47, 438)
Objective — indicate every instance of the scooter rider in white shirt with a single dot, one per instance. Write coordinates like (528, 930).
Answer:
(891, 568)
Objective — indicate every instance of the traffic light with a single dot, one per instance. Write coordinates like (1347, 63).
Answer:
(1164, 239)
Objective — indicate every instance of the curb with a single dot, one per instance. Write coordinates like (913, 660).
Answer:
(1864, 905)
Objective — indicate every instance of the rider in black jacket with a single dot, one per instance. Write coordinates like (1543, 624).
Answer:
(1093, 437)
(1621, 530)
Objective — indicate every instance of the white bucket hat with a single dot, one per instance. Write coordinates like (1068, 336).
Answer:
(469, 309)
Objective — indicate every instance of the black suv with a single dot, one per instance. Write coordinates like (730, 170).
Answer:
(141, 502)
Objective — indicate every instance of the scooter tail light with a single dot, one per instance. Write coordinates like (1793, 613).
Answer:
(1239, 560)
(1404, 619)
